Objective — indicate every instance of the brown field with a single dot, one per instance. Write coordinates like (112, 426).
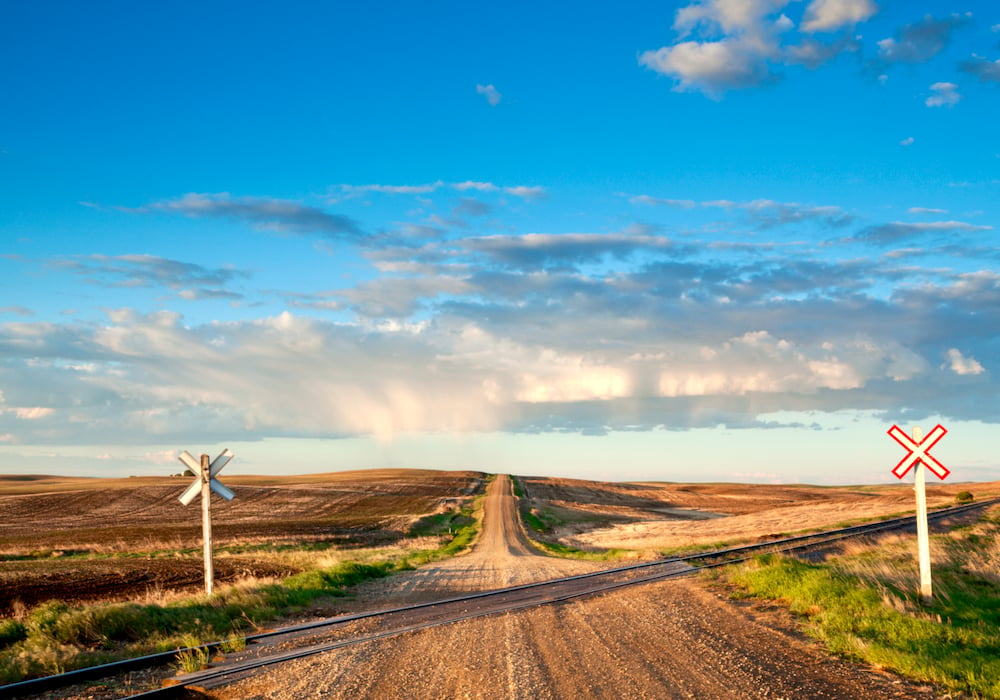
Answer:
(660, 516)
(91, 539)
(81, 539)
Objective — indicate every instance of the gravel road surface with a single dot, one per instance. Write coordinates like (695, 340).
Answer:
(665, 640)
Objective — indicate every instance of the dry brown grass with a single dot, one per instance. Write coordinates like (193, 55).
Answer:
(660, 516)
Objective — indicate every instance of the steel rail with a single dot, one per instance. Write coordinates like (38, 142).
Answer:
(721, 557)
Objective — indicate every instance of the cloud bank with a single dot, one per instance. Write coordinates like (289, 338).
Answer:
(584, 332)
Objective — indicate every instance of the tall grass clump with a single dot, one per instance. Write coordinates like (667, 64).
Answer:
(864, 604)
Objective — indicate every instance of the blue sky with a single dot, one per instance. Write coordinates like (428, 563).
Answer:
(720, 240)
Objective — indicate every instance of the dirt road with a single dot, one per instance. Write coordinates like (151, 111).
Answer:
(665, 640)
(502, 557)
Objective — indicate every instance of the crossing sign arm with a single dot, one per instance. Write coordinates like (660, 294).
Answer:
(219, 462)
(190, 462)
(192, 492)
(221, 490)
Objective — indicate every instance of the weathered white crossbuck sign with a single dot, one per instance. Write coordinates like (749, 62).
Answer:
(204, 483)
(918, 453)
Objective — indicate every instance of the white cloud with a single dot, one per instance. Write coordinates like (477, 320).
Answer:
(491, 94)
(735, 44)
(525, 192)
(829, 15)
(765, 213)
(654, 201)
(926, 210)
(33, 412)
(259, 212)
(162, 457)
(472, 185)
(959, 364)
(392, 189)
(710, 67)
(731, 16)
(908, 141)
(945, 95)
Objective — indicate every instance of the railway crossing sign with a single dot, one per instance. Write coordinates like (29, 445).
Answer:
(214, 468)
(204, 483)
(918, 453)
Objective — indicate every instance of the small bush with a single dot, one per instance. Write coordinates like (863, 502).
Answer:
(11, 631)
(964, 497)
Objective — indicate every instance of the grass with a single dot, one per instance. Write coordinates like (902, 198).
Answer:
(863, 604)
(561, 550)
(55, 637)
(194, 657)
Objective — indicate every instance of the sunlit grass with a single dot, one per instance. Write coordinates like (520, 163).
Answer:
(864, 604)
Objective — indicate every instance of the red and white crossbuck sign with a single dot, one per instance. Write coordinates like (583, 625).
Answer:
(918, 452)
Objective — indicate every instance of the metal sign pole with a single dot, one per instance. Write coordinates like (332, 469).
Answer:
(206, 521)
(923, 536)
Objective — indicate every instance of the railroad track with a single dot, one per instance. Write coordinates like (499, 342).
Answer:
(401, 620)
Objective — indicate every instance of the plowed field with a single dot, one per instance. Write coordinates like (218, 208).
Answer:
(91, 539)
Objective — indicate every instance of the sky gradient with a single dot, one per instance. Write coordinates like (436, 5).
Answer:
(711, 241)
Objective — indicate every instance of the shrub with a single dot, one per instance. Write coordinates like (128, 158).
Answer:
(11, 631)
(964, 497)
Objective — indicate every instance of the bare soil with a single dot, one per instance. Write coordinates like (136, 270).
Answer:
(117, 539)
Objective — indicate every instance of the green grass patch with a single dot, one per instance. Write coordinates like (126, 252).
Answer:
(686, 549)
(438, 524)
(533, 521)
(561, 550)
(518, 487)
(864, 605)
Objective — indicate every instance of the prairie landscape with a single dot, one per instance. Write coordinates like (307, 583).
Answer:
(91, 541)
(79, 539)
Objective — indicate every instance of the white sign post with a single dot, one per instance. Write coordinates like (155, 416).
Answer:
(204, 483)
(919, 455)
